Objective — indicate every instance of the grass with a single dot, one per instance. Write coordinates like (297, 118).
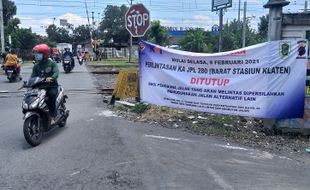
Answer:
(116, 62)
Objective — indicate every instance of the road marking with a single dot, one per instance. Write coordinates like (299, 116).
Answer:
(162, 137)
(106, 113)
(218, 179)
(74, 173)
(231, 147)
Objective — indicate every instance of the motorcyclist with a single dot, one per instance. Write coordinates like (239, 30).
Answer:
(67, 52)
(4, 54)
(11, 59)
(48, 69)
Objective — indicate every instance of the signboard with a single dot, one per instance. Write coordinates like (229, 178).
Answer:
(137, 20)
(221, 4)
(215, 29)
(127, 84)
(266, 80)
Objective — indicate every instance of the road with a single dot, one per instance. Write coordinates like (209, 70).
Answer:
(98, 150)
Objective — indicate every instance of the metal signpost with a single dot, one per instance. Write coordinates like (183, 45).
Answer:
(137, 21)
(219, 5)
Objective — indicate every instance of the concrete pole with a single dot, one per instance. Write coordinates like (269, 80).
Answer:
(275, 18)
(244, 24)
(2, 26)
(274, 33)
(221, 31)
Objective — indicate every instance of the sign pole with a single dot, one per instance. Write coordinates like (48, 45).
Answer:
(221, 31)
(130, 45)
(137, 21)
(219, 6)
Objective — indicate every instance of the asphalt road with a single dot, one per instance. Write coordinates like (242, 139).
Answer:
(98, 150)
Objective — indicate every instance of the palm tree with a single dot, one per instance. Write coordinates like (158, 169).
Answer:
(195, 41)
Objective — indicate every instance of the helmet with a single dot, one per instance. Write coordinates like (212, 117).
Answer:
(42, 48)
(7, 49)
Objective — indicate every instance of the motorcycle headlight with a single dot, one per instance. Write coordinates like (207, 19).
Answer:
(24, 105)
(34, 104)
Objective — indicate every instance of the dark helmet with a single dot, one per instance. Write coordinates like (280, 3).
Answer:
(13, 51)
(7, 49)
(42, 48)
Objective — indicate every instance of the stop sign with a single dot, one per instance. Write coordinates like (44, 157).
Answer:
(137, 20)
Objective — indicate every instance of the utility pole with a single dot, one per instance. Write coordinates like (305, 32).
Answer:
(239, 11)
(244, 24)
(306, 6)
(2, 26)
(130, 47)
(221, 31)
(274, 32)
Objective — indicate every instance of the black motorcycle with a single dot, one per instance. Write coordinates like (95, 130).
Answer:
(80, 59)
(37, 117)
(67, 64)
(12, 73)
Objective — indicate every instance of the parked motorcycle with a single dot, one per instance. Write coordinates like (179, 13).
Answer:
(37, 117)
(67, 64)
(12, 73)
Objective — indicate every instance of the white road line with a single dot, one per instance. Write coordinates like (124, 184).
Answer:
(231, 147)
(74, 173)
(218, 179)
(162, 137)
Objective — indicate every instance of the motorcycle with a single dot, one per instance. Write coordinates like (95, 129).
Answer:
(67, 64)
(80, 59)
(37, 118)
(12, 73)
(56, 58)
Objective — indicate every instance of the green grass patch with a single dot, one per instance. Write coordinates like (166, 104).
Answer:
(140, 108)
(114, 62)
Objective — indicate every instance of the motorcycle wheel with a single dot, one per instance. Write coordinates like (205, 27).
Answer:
(67, 70)
(32, 131)
(65, 115)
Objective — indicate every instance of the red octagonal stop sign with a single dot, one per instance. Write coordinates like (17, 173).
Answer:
(137, 20)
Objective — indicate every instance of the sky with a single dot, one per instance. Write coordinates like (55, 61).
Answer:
(38, 14)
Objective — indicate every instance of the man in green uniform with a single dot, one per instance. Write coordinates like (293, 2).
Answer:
(46, 68)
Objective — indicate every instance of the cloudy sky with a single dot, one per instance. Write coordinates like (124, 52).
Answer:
(38, 14)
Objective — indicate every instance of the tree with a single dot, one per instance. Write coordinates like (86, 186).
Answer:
(9, 10)
(12, 25)
(113, 24)
(157, 34)
(58, 34)
(195, 41)
(81, 34)
(232, 35)
(263, 27)
(24, 39)
(51, 31)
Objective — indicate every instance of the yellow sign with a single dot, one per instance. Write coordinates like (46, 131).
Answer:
(127, 84)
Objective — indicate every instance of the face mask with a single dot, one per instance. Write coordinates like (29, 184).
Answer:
(38, 57)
